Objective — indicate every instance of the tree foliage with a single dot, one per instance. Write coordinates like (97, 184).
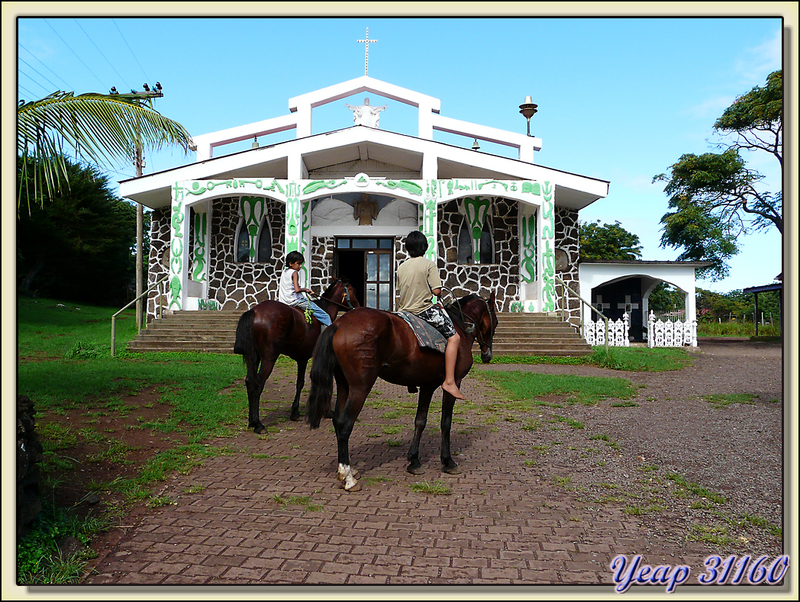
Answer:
(608, 242)
(79, 246)
(665, 297)
(712, 307)
(714, 197)
(97, 128)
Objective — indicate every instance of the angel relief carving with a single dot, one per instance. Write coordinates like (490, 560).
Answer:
(365, 210)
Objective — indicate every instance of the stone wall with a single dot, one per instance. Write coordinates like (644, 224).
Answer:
(242, 285)
(566, 221)
(502, 276)
(157, 261)
(232, 285)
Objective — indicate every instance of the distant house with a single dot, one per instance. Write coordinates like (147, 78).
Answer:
(775, 286)
(618, 287)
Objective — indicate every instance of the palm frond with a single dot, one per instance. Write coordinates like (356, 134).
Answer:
(99, 128)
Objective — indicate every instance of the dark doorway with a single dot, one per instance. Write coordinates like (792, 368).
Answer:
(615, 299)
(368, 263)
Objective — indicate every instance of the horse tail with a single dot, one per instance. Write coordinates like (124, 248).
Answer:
(244, 344)
(322, 367)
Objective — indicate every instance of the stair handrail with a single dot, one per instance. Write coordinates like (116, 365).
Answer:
(565, 286)
(114, 317)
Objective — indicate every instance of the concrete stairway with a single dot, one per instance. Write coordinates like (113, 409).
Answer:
(537, 334)
(215, 331)
(206, 331)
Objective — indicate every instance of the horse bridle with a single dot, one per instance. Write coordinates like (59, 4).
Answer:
(473, 326)
(345, 296)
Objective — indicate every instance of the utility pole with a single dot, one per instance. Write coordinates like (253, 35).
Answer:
(147, 95)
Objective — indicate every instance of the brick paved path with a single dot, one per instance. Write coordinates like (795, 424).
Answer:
(271, 511)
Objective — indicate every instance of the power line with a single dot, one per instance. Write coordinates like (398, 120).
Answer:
(131, 51)
(68, 86)
(73, 52)
(98, 49)
(21, 87)
(34, 81)
(45, 79)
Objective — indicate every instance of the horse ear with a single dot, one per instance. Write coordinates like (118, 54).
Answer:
(491, 297)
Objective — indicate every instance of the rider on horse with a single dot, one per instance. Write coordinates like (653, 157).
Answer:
(290, 290)
(417, 279)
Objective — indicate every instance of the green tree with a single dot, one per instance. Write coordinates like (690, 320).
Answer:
(79, 246)
(608, 242)
(665, 297)
(100, 129)
(714, 198)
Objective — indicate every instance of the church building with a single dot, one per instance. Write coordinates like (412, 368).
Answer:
(221, 227)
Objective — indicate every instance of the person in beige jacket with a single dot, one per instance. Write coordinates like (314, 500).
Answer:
(418, 281)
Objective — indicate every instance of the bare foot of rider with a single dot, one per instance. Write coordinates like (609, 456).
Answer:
(453, 389)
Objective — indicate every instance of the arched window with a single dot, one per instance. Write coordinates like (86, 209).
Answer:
(487, 243)
(242, 243)
(467, 245)
(264, 253)
(465, 254)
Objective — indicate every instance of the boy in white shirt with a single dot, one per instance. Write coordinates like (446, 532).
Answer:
(290, 290)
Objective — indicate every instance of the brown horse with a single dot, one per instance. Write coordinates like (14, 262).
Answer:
(272, 328)
(365, 344)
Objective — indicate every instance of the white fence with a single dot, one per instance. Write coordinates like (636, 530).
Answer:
(595, 332)
(660, 333)
(670, 334)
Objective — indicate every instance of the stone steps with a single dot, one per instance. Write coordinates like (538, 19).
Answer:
(215, 331)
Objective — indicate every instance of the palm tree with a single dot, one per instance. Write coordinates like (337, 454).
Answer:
(98, 128)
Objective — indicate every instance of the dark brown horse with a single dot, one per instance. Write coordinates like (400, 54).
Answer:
(272, 328)
(366, 344)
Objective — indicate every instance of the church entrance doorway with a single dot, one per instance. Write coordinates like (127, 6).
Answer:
(368, 263)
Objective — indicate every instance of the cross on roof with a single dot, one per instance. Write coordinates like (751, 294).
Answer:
(366, 43)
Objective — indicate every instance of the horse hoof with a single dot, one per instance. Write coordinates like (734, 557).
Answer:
(353, 488)
(451, 469)
(416, 470)
(294, 417)
(259, 429)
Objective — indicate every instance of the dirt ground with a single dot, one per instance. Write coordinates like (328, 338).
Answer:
(645, 475)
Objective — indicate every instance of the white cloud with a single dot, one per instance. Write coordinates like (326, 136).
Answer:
(758, 62)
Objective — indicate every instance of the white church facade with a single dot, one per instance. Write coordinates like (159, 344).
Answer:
(222, 226)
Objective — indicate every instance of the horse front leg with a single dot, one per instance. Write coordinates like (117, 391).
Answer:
(301, 381)
(448, 465)
(421, 419)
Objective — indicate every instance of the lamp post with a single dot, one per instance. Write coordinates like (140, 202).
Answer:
(528, 110)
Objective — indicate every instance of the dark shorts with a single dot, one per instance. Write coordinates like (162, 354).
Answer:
(438, 318)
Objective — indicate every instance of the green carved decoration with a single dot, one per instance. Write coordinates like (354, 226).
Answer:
(476, 209)
(429, 220)
(176, 249)
(252, 208)
(548, 249)
(330, 184)
(200, 244)
(409, 187)
(527, 248)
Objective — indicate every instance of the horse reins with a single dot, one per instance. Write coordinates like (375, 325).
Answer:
(473, 327)
(345, 297)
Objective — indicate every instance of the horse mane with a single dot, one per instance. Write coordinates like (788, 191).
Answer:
(455, 309)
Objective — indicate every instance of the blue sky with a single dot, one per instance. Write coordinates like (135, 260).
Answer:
(620, 98)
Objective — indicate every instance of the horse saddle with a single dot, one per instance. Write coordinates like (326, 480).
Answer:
(427, 335)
